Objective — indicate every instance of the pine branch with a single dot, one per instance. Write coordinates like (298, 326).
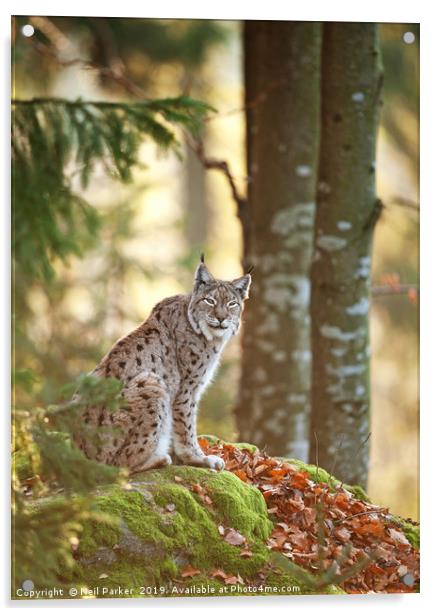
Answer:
(50, 134)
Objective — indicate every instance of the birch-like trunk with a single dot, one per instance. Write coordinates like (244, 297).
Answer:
(282, 89)
(347, 210)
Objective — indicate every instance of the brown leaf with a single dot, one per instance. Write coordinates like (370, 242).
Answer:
(241, 474)
(246, 553)
(234, 538)
(343, 534)
(398, 536)
(300, 480)
(170, 507)
(300, 539)
(203, 443)
(189, 572)
(309, 515)
(278, 473)
(196, 487)
(218, 573)
(374, 527)
(221, 530)
(260, 468)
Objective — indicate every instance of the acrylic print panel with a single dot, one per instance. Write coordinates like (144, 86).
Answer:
(215, 281)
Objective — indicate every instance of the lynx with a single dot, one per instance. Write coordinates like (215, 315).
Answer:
(165, 365)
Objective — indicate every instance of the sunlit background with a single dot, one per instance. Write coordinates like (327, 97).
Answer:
(155, 228)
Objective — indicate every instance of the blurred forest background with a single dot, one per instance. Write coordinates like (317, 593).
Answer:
(153, 228)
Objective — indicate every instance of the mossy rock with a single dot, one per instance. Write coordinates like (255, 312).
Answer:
(157, 525)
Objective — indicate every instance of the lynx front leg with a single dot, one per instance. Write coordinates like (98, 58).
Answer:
(185, 442)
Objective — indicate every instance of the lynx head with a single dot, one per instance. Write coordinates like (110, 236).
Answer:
(216, 306)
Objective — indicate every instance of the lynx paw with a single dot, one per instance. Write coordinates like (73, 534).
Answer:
(214, 462)
(154, 462)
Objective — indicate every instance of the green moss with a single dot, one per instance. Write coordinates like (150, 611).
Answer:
(411, 531)
(175, 527)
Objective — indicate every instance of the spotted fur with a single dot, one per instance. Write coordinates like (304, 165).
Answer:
(165, 365)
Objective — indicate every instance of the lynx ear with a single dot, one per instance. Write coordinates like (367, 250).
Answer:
(242, 285)
(202, 275)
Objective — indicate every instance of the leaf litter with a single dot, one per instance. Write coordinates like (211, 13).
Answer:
(315, 523)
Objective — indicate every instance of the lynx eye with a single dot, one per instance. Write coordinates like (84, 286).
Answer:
(210, 301)
(232, 304)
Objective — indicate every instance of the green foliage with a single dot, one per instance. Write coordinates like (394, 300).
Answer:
(45, 462)
(53, 136)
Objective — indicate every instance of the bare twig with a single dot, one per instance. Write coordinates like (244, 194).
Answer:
(400, 289)
(239, 199)
(114, 74)
(316, 454)
(403, 202)
(381, 511)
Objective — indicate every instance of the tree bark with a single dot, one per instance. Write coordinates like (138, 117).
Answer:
(282, 86)
(347, 210)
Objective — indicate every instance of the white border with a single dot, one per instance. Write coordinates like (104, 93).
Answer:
(320, 10)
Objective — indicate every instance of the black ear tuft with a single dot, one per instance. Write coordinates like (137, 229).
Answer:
(202, 257)
(250, 269)
(202, 276)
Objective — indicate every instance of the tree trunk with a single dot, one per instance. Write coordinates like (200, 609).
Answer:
(282, 84)
(347, 210)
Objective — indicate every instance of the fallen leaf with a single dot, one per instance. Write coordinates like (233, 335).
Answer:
(343, 534)
(234, 538)
(374, 527)
(221, 530)
(246, 553)
(102, 576)
(178, 479)
(241, 474)
(203, 443)
(398, 536)
(189, 571)
(218, 573)
(278, 473)
(300, 480)
(259, 469)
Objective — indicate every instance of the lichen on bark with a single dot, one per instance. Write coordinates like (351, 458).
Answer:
(345, 219)
(282, 148)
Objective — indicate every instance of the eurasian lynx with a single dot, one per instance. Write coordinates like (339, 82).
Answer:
(165, 365)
